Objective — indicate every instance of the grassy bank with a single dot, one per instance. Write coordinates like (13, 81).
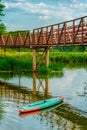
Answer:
(15, 61)
(68, 57)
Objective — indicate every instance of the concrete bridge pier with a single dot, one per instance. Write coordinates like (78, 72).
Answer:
(35, 60)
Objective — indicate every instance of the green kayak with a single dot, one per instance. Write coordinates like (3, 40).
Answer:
(39, 105)
(22, 114)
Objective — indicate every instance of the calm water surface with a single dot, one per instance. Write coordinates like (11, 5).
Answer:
(16, 91)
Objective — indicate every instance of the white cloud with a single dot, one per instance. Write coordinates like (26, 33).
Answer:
(67, 11)
(28, 7)
(44, 17)
(57, 12)
(12, 5)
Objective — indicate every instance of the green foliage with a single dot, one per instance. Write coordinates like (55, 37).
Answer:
(44, 70)
(23, 61)
(55, 66)
(2, 29)
(2, 26)
(69, 57)
(1, 8)
(19, 31)
(7, 63)
(69, 48)
(14, 63)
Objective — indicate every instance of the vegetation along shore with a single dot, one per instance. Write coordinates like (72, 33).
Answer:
(14, 61)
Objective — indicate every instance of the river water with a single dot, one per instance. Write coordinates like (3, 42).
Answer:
(18, 90)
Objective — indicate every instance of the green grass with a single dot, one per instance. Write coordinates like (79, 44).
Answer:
(58, 60)
(68, 57)
(16, 62)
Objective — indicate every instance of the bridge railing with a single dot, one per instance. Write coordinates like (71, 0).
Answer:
(16, 39)
(73, 32)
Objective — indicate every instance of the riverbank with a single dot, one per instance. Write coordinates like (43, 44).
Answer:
(22, 61)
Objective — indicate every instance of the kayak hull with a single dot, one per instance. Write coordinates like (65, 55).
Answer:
(39, 105)
(22, 114)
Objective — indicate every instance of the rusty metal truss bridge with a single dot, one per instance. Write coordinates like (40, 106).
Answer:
(68, 33)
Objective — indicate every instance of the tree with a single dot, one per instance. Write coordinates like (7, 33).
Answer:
(2, 26)
(1, 9)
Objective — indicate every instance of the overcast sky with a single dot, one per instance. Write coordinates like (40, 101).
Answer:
(30, 14)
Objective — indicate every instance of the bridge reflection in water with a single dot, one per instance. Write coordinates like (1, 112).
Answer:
(63, 117)
(21, 93)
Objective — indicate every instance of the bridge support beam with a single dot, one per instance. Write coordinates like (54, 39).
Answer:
(47, 57)
(34, 60)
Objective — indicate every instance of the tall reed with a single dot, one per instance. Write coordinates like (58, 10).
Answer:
(22, 61)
